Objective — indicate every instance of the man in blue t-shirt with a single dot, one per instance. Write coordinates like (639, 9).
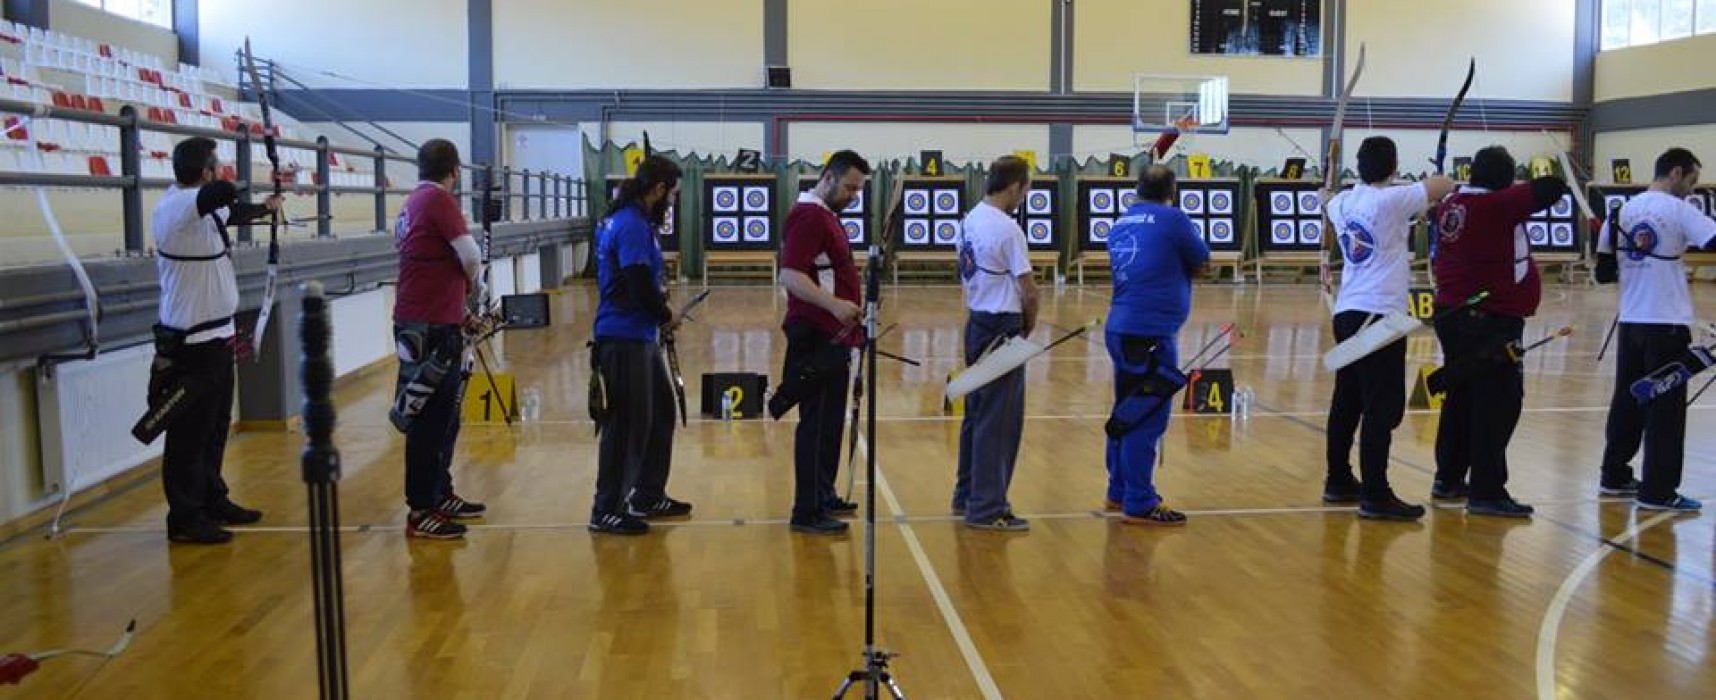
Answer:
(637, 425)
(1154, 250)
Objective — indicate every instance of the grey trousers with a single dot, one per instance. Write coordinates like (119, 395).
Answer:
(994, 417)
(636, 449)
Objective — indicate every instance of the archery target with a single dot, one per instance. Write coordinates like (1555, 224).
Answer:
(726, 199)
(1102, 201)
(1561, 235)
(857, 205)
(946, 232)
(1221, 202)
(1282, 233)
(917, 203)
(1538, 232)
(1610, 201)
(1037, 203)
(1202, 228)
(1099, 229)
(1127, 198)
(947, 201)
(1310, 203)
(1192, 201)
(1563, 207)
(1310, 233)
(1040, 232)
(1699, 202)
(727, 229)
(1281, 204)
(917, 232)
(1221, 231)
(756, 199)
(854, 230)
(756, 229)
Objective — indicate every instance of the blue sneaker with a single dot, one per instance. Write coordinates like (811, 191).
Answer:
(1677, 503)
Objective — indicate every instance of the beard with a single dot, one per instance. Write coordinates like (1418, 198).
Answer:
(658, 213)
(837, 201)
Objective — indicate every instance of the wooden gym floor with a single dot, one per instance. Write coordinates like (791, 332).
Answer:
(1265, 594)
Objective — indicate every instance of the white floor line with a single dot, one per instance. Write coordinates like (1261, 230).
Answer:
(1551, 627)
(955, 626)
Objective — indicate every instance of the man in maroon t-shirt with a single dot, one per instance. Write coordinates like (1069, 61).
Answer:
(821, 327)
(1483, 247)
(439, 267)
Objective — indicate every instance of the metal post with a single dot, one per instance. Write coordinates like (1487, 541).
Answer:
(542, 201)
(244, 162)
(506, 193)
(524, 198)
(131, 166)
(380, 188)
(557, 196)
(324, 197)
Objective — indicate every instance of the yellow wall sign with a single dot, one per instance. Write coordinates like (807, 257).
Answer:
(1198, 166)
(634, 156)
(1541, 166)
(1030, 158)
(486, 403)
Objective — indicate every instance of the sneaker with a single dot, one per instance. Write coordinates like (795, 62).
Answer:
(663, 507)
(1390, 508)
(460, 509)
(229, 513)
(820, 525)
(1005, 522)
(432, 525)
(1443, 491)
(1504, 508)
(1622, 489)
(1337, 491)
(198, 532)
(618, 524)
(1159, 516)
(839, 506)
(1676, 503)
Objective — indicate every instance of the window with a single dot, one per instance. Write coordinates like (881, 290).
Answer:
(1640, 22)
(156, 12)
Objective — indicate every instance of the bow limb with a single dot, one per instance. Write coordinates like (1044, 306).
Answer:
(1448, 121)
(273, 152)
(1332, 178)
(1572, 176)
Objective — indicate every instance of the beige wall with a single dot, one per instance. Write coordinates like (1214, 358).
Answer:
(919, 44)
(1418, 146)
(959, 143)
(1117, 39)
(1416, 48)
(79, 20)
(1642, 146)
(1263, 148)
(1671, 66)
(574, 44)
(20, 461)
(377, 41)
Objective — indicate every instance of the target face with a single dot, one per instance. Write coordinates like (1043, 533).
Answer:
(1563, 207)
(1610, 201)
(1127, 199)
(917, 202)
(946, 232)
(1221, 231)
(1037, 203)
(726, 199)
(1561, 235)
(854, 230)
(1102, 201)
(1221, 203)
(857, 205)
(1201, 227)
(1099, 229)
(946, 202)
(726, 230)
(1192, 202)
(1699, 202)
(1310, 203)
(1282, 233)
(1040, 232)
(756, 199)
(1538, 233)
(1310, 233)
(1281, 204)
(917, 232)
(756, 229)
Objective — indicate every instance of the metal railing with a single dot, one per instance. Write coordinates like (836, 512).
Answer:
(554, 195)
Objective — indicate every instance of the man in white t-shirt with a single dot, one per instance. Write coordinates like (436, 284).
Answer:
(1656, 316)
(1372, 224)
(1001, 294)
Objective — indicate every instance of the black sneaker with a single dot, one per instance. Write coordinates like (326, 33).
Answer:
(1341, 490)
(432, 525)
(1443, 491)
(198, 532)
(839, 506)
(1619, 489)
(1677, 503)
(618, 524)
(460, 509)
(1390, 508)
(820, 525)
(229, 513)
(1504, 508)
(1005, 522)
(663, 507)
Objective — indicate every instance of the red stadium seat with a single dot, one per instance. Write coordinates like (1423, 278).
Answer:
(98, 166)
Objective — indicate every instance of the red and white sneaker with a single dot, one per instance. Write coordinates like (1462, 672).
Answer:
(460, 509)
(432, 525)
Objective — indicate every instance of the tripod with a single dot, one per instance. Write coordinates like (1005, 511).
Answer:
(875, 674)
(321, 468)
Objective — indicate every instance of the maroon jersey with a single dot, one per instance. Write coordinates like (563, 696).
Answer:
(1483, 247)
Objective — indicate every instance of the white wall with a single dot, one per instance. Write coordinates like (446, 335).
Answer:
(1418, 146)
(959, 143)
(1671, 66)
(713, 138)
(1263, 148)
(1524, 48)
(1117, 39)
(387, 44)
(920, 45)
(20, 460)
(79, 20)
(362, 333)
(628, 44)
(1642, 146)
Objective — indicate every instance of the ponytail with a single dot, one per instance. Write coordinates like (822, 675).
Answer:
(654, 170)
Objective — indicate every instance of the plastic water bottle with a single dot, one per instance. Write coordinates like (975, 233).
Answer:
(531, 405)
(1242, 399)
(726, 406)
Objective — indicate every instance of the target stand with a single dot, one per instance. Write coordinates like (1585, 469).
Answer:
(932, 211)
(740, 235)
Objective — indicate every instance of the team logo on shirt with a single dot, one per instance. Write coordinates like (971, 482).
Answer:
(1357, 244)
(967, 260)
(1452, 222)
(1643, 239)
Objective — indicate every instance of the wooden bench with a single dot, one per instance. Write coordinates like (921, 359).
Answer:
(742, 264)
(935, 263)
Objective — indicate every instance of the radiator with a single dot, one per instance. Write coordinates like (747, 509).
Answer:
(86, 410)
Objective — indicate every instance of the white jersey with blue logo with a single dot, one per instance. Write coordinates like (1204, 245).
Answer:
(1656, 230)
(992, 256)
(1372, 226)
